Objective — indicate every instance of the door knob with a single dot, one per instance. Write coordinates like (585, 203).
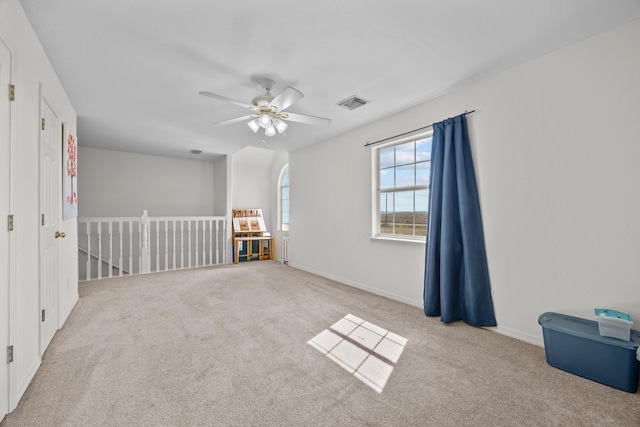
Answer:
(59, 234)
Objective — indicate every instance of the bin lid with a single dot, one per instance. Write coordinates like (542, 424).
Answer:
(615, 315)
(584, 328)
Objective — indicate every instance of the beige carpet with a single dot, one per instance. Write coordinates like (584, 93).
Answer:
(228, 346)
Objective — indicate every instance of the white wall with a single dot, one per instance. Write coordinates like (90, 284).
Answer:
(222, 197)
(115, 183)
(220, 187)
(31, 70)
(556, 150)
(250, 183)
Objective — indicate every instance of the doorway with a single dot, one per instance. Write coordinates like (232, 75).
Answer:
(5, 192)
(50, 199)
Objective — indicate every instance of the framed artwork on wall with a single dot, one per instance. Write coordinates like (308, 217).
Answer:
(69, 174)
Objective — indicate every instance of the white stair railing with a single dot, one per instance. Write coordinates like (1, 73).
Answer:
(117, 246)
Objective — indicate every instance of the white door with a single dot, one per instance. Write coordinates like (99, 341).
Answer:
(5, 155)
(50, 195)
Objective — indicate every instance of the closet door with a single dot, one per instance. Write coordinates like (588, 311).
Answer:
(50, 203)
(5, 174)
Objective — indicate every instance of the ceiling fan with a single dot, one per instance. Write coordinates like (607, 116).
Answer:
(269, 111)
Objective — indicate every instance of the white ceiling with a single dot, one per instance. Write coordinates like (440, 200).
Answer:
(133, 69)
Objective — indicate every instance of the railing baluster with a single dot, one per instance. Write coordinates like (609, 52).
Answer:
(88, 230)
(157, 244)
(145, 226)
(130, 228)
(211, 242)
(174, 245)
(224, 241)
(189, 235)
(140, 247)
(166, 245)
(182, 244)
(120, 254)
(217, 242)
(100, 250)
(110, 229)
(204, 243)
(198, 253)
(201, 250)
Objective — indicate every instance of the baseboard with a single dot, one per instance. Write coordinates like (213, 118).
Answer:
(360, 286)
(24, 383)
(499, 329)
(518, 335)
(68, 311)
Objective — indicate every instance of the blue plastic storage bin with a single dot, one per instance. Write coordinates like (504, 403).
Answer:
(576, 346)
(255, 248)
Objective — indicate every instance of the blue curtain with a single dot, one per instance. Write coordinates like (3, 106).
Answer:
(456, 284)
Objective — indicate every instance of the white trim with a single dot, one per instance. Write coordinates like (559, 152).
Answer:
(229, 210)
(14, 396)
(390, 238)
(392, 296)
(24, 383)
(419, 304)
(68, 311)
(517, 335)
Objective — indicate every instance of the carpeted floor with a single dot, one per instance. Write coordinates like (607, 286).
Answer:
(228, 346)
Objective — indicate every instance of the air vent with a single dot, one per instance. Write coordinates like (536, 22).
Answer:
(196, 152)
(353, 102)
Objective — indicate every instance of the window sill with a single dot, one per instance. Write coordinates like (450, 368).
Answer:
(398, 239)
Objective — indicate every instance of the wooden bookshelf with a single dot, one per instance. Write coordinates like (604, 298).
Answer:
(248, 228)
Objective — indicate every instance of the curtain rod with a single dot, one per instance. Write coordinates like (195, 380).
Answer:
(407, 133)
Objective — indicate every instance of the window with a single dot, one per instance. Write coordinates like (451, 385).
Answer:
(402, 188)
(283, 199)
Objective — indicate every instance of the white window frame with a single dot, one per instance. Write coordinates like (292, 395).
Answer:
(281, 226)
(375, 193)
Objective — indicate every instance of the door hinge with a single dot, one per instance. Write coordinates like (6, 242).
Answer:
(44, 317)
(43, 123)
(10, 223)
(42, 220)
(10, 354)
(12, 92)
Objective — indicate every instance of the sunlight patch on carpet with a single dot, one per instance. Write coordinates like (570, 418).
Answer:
(361, 348)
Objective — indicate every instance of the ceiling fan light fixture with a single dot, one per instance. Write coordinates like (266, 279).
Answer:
(265, 120)
(280, 125)
(269, 112)
(270, 131)
(254, 125)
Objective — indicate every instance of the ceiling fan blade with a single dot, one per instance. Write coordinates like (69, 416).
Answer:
(309, 120)
(224, 98)
(286, 98)
(236, 120)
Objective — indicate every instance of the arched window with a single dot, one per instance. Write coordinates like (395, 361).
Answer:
(283, 199)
